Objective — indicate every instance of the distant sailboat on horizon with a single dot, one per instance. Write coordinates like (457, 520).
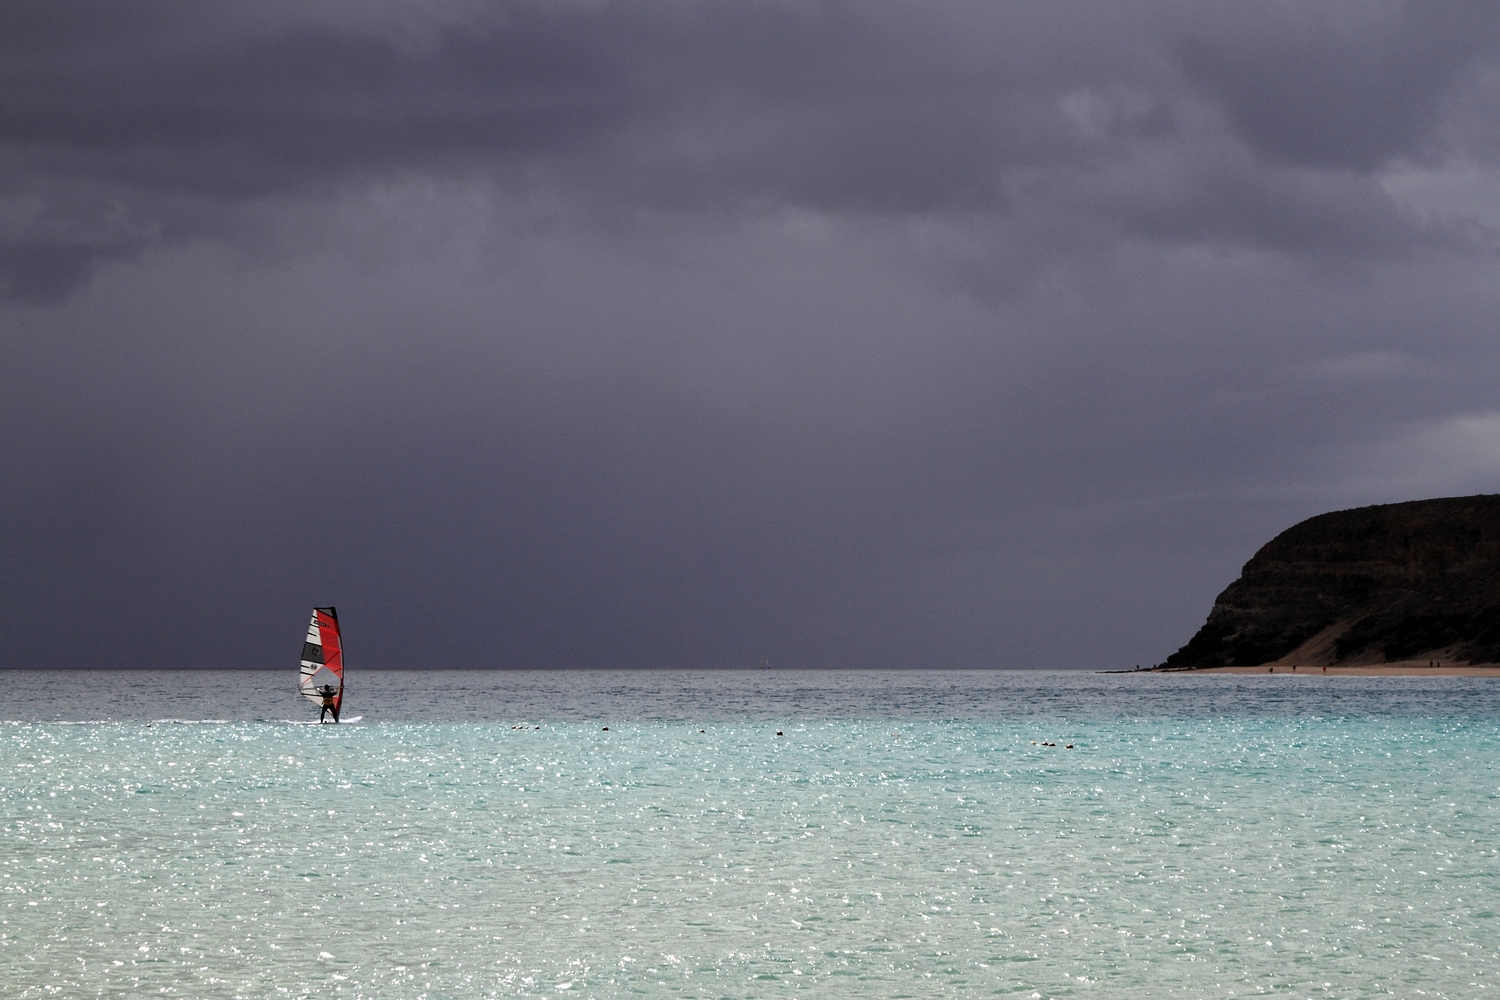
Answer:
(322, 675)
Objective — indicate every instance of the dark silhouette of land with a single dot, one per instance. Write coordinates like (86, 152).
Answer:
(1414, 584)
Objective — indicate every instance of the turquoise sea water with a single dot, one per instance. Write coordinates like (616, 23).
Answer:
(909, 835)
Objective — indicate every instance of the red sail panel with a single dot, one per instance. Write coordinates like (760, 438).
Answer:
(333, 648)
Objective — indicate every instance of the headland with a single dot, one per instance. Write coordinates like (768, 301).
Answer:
(1404, 589)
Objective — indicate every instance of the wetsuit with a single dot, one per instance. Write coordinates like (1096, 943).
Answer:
(328, 705)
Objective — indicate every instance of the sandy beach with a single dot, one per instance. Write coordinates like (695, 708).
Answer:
(1400, 668)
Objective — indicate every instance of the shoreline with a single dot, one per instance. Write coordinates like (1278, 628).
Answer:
(1403, 668)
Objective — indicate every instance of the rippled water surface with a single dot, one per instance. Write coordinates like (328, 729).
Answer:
(908, 834)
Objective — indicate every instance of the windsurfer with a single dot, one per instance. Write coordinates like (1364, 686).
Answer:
(329, 705)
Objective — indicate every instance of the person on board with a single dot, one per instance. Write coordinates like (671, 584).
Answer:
(329, 705)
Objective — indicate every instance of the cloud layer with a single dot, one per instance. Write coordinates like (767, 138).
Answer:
(599, 334)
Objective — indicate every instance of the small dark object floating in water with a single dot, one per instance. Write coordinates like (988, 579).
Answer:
(778, 732)
(606, 729)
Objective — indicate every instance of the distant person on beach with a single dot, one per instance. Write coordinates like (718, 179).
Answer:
(328, 704)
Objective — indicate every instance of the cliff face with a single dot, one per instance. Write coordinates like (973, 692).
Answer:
(1401, 581)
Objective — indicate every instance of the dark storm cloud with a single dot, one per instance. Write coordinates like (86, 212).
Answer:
(240, 113)
(848, 108)
(655, 103)
(648, 333)
(1330, 92)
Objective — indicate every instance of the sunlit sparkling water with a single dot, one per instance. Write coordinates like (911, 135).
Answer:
(910, 834)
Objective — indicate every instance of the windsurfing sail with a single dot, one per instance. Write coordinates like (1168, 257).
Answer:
(323, 659)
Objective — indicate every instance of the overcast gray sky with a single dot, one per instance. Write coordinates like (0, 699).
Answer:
(699, 334)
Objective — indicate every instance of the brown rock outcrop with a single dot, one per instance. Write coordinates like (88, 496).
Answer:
(1402, 581)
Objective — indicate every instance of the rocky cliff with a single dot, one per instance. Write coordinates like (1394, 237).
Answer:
(1402, 581)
